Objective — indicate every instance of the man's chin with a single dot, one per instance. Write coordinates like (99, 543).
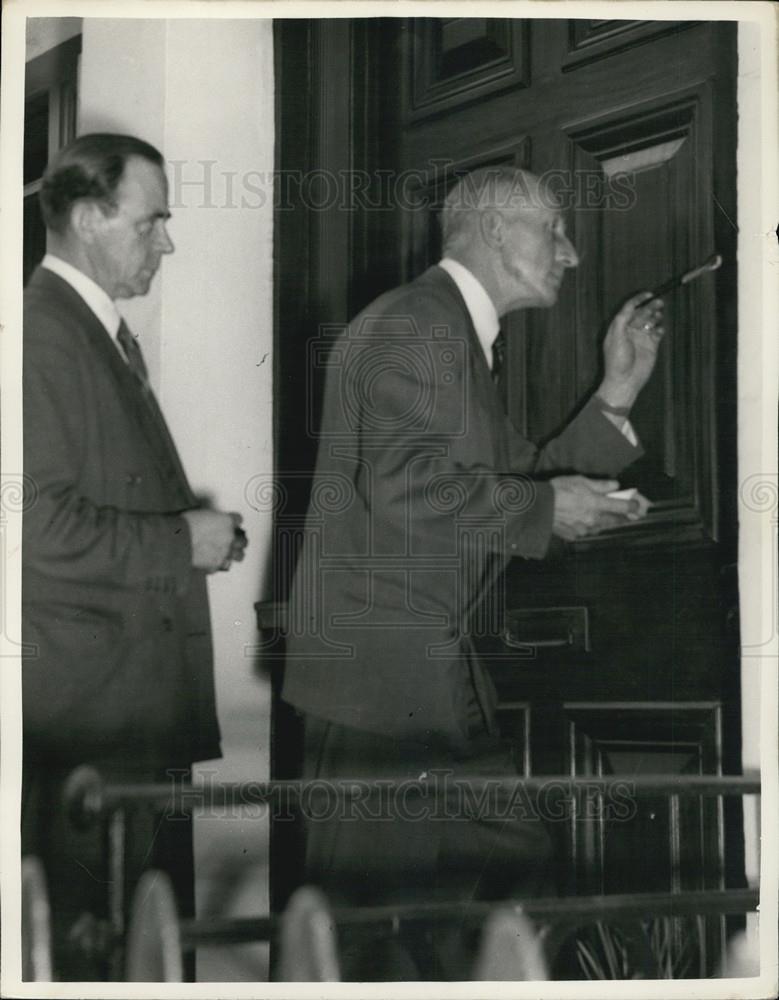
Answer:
(140, 286)
(547, 297)
(553, 290)
(545, 293)
(144, 280)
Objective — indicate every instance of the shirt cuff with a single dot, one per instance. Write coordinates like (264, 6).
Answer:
(623, 425)
(630, 434)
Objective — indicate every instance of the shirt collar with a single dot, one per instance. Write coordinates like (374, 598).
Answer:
(98, 301)
(479, 304)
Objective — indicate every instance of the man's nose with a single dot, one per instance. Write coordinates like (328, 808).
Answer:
(164, 242)
(566, 252)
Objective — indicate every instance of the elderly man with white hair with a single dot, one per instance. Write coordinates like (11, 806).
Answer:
(436, 492)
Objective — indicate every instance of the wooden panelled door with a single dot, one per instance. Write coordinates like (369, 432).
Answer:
(619, 655)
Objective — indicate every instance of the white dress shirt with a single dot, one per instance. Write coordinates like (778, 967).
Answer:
(479, 304)
(101, 304)
(487, 324)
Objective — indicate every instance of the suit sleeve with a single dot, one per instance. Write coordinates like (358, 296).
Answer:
(420, 432)
(68, 537)
(433, 489)
(590, 444)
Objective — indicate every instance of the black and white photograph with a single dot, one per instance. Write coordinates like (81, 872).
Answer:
(389, 505)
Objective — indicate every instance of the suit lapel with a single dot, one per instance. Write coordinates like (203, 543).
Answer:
(157, 431)
(147, 415)
(141, 407)
(487, 400)
(479, 374)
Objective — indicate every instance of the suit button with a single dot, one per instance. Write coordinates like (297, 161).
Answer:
(167, 624)
(132, 479)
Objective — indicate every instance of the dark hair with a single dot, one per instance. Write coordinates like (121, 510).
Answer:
(91, 166)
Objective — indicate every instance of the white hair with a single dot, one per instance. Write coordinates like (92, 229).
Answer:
(503, 187)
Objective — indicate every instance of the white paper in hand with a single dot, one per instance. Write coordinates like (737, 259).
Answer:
(632, 494)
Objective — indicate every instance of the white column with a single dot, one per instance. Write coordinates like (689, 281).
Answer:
(202, 91)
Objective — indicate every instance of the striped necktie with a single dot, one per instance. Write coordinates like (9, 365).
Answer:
(152, 419)
(498, 355)
(132, 352)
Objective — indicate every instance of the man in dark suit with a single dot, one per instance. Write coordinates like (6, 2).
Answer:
(422, 493)
(116, 547)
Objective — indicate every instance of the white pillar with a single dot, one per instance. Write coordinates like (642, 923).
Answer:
(202, 91)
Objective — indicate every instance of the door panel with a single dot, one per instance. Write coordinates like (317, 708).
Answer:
(664, 154)
(633, 124)
(589, 40)
(456, 59)
(638, 182)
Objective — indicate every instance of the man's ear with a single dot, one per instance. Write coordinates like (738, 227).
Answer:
(86, 220)
(493, 228)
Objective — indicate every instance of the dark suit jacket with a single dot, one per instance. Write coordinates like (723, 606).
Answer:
(418, 503)
(119, 619)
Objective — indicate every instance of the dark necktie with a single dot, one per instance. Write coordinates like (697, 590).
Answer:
(152, 418)
(133, 354)
(498, 355)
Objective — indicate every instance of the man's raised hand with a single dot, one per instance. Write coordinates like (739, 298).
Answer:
(630, 349)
